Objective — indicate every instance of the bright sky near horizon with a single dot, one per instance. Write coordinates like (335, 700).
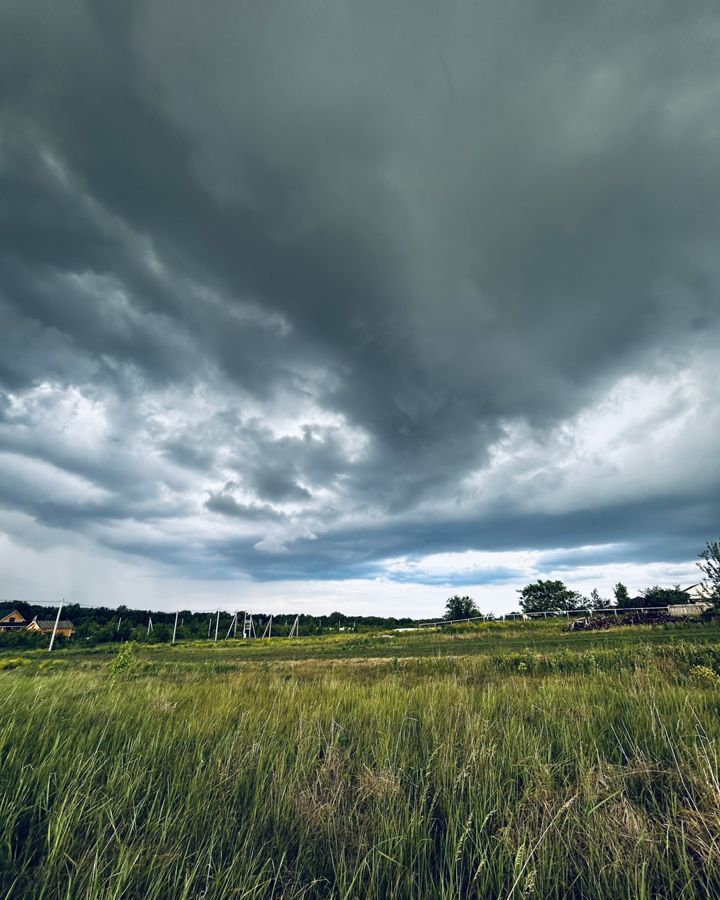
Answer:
(316, 306)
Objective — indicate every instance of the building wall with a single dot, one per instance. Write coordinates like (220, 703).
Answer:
(67, 632)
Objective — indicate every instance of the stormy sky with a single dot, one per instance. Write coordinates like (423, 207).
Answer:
(352, 305)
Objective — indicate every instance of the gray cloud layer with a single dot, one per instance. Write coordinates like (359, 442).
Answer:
(293, 289)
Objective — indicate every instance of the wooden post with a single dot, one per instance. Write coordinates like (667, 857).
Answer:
(217, 624)
(175, 627)
(57, 621)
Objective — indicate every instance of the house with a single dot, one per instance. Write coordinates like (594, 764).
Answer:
(45, 626)
(12, 620)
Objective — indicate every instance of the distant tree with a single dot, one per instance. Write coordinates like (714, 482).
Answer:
(545, 596)
(22, 638)
(622, 597)
(710, 567)
(162, 633)
(660, 596)
(595, 601)
(458, 607)
(334, 620)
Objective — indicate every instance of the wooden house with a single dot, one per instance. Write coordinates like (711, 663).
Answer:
(12, 620)
(45, 626)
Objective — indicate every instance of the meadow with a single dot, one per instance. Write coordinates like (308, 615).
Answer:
(500, 760)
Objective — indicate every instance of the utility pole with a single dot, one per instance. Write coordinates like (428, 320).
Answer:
(295, 628)
(175, 628)
(55, 627)
(119, 621)
(209, 626)
(150, 625)
(217, 624)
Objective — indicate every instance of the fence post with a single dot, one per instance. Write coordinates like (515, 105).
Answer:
(57, 621)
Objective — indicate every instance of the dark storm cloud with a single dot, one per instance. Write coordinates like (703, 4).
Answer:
(225, 503)
(275, 484)
(419, 222)
(660, 530)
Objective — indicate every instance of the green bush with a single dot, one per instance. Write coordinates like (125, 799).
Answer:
(13, 662)
(125, 661)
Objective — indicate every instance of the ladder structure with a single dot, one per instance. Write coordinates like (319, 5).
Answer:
(248, 627)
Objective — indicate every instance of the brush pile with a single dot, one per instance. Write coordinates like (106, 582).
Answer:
(597, 623)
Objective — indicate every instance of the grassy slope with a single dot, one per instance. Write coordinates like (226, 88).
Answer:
(509, 760)
(491, 638)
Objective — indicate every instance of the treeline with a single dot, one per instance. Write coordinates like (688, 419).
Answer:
(102, 625)
(546, 596)
(555, 596)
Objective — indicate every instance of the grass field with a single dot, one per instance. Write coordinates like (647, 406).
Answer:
(503, 760)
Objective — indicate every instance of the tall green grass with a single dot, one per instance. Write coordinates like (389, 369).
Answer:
(518, 775)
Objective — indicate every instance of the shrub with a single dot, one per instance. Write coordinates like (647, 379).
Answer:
(13, 662)
(705, 674)
(125, 661)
